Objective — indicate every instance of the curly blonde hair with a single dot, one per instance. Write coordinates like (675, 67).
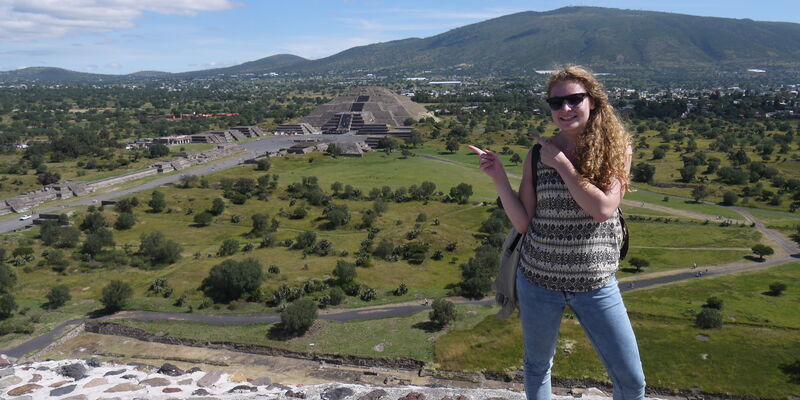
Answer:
(603, 146)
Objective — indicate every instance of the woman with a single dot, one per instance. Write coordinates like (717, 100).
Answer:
(571, 247)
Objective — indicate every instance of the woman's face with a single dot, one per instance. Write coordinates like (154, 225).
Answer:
(570, 118)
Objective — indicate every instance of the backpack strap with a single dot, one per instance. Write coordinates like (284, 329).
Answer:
(535, 154)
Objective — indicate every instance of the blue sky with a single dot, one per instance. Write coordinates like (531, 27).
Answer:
(123, 36)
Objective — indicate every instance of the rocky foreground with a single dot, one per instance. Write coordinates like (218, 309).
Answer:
(93, 379)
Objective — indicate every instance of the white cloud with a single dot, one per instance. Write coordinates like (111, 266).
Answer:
(36, 19)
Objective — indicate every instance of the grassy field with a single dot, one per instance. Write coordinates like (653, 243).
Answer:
(407, 337)
(737, 359)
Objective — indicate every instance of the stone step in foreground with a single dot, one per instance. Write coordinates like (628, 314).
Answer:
(92, 379)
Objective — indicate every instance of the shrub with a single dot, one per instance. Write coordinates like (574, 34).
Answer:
(157, 202)
(7, 305)
(443, 313)
(116, 295)
(93, 222)
(229, 247)
(298, 317)
(125, 221)
(401, 290)
(369, 294)
(231, 279)
(158, 249)
(217, 206)
(8, 278)
(776, 288)
(713, 302)
(58, 296)
(203, 219)
(336, 296)
(384, 249)
(709, 318)
(344, 271)
(305, 240)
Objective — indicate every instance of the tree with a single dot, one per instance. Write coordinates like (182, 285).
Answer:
(157, 203)
(334, 150)
(688, 172)
(516, 159)
(7, 305)
(796, 235)
(452, 145)
(344, 271)
(48, 177)
(158, 249)
(388, 144)
(709, 318)
(776, 288)
(729, 198)
(298, 317)
(189, 181)
(68, 237)
(444, 312)
(96, 241)
(229, 247)
(158, 150)
(263, 164)
(58, 296)
(260, 225)
(125, 221)
(336, 296)
(762, 250)
(49, 232)
(231, 279)
(8, 279)
(699, 193)
(116, 295)
(93, 222)
(217, 206)
(643, 172)
(305, 240)
(203, 219)
(713, 302)
(337, 215)
(639, 263)
(461, 193)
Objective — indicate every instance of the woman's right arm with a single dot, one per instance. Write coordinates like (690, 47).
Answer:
(519, 208)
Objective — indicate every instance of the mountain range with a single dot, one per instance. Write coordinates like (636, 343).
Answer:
(602, 38)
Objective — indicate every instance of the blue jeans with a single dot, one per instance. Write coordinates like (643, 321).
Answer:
(605, 320)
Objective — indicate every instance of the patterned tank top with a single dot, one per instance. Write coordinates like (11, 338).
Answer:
(565, 249)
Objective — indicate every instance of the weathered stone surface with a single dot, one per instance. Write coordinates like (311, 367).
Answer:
(60, 391)
(124, 387)
(155, 382)
(374, 395)
(595, 392)
(277, 386)
(128, 376)
(171, 390)
(94, 362)
(261, 381)
(59, 383)
(296, 395)
(35, 378)
(187, 381)
(10, 381)
(209, 378)
(24, 389)
(193, 370)
(115, 372)
(96, 382)
(200, 392)
(237, 377)
(243, 389)
(75, 371)
(6, 371)
(4, 361)
(76, 397)
(145, 368)
(413, 396)
(336, 393)
(171, 370)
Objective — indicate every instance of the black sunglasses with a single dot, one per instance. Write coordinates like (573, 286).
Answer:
(556, 103)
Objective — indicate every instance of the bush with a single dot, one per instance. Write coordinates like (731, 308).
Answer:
(369, 294)
(8, 278)
(336, 296)
(444, 312)
(229, 247)
(713, 302)
(231, 279)
(203, 219)
(158, 249)
(217, 206)
(401, 290)
(116, 295)
(298, 317)
(709, 318)
(7, 305)
(58, 296)
(125, 221)
(305, 240)
(344, 271)
(776, 288)
(157, 202)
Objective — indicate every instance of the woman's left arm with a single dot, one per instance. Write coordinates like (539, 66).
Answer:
(598, 203)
